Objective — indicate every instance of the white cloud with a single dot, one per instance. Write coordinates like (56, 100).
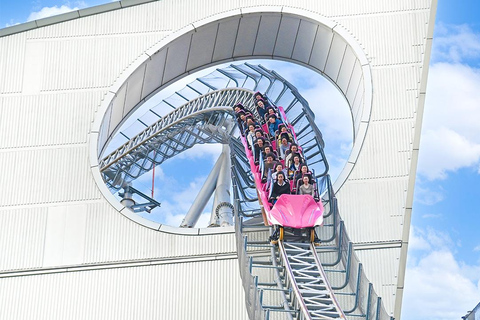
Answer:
(436, 288)
(332, 114)
(204, 220)
(434, 238)
(176, 201)
(331, 110)
(417, 241)
(184, 198)
(455, 43)
(50, 11)
(427, 196)
(336, 163)
(477, 248)
(212, 150)
(451, 134)
(432, 215)
(445, 150)
(11, 23)
(436, 285)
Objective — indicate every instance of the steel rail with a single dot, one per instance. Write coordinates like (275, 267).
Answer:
(205, 103)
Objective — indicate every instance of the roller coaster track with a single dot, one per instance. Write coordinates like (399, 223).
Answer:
(198, 121)
(313, 294)
(288, 281)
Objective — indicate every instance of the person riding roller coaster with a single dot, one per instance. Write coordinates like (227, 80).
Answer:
(299, 174)
(283, 133)
(268, 165)
(306, 187)
(238, 107)
(272, 185)
(270, 112)
(273, 124)
(261, 108)
(281, 186)
(258, 148)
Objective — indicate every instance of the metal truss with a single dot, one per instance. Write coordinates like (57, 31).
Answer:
(290, 283)
(189, 123)
(307, 280)
(206, 119)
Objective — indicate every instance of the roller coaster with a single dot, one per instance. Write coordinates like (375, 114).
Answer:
(293, 275)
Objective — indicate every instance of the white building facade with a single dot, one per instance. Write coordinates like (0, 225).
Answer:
(70, 250)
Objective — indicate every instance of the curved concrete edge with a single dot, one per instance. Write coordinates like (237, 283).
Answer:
(93, 154)
(97, 122)
(136, 218)
(366, 104)
(414, 162)
(196, 231)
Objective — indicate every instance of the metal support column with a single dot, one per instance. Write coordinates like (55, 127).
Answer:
(222, 211)
(203, 196)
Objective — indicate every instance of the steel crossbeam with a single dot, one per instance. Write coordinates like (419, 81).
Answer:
(206, 119)
(223, 98)
(306, 278)
(161, 140)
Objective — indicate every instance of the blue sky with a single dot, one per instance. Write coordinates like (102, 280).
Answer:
(443, 267)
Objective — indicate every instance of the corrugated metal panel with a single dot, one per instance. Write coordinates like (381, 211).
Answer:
(353, 84)
(287, 34)
(104, 129)
(118, 109)
(134, 89)
(328, 51)
(112, 237)
(93, 52)
(22, 237)
(128, 293)
(335, 57)
(345, 7)
(225, 43)
(84, 233)
(357, 105)
(246, 36)
(163, 15)
(177, 56)
(48, 119)
(192, 11)
(355, 8)
(319, 55)
(386, 152)
(381, 272)
(368, 204)
(203, 44)
(65, 235)
(46, 175)
(401, 36)
(347, 68)
(265, 41)
(156, 16)
(399, 101)
(12, 63)
(90, 62)
(304, 44)
(154, 73)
